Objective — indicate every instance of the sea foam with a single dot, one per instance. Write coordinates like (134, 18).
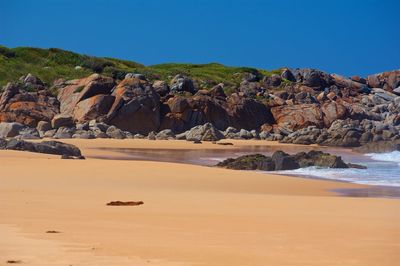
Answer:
(393, 156)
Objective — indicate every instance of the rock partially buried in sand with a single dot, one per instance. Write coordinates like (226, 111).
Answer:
(47, 147)
(125, 203)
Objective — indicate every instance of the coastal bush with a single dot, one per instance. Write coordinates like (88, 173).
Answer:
(51, 64)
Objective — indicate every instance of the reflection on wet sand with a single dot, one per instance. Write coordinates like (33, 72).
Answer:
(210, 157)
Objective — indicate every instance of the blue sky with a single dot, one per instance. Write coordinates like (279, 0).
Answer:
(345, 37)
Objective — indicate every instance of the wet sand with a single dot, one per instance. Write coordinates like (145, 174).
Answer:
(192, 215)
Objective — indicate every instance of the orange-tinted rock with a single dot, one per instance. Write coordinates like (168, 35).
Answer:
(333, 111)
(27, 108)
(81, 89)
(93, 107)
(298, 116)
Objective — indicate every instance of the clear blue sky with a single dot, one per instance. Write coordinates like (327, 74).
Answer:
(343, 36)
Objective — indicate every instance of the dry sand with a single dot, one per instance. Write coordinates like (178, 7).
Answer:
(192, 215)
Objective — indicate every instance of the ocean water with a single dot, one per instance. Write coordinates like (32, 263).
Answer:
(383, 170)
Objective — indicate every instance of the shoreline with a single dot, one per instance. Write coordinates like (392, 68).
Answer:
(134, 149)
(191, 214)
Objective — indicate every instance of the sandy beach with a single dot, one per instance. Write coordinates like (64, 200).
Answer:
(192, 215)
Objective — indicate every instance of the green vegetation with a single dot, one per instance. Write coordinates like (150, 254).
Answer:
(51, 64)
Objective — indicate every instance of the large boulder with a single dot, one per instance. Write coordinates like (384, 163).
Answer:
(62, 120)
(136, 107)
(247, 113)
(184, 113)
(81, 89)
(206, 132)
(333, 111)
(298, 116)
(93, 107)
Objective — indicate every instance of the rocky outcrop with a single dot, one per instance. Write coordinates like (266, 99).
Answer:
(283, 161)
(303, 106)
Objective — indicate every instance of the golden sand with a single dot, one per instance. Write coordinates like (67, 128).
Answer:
(192, 215)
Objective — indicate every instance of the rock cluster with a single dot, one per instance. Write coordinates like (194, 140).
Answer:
(301, 106)
(283, 161)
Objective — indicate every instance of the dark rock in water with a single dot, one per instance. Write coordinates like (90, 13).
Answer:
(321, 159)
(249, 162)
(283, 161)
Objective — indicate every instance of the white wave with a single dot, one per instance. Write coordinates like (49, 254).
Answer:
(393, 156)
(374, 175)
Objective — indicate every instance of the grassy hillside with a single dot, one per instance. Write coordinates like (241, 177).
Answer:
(51, 64)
